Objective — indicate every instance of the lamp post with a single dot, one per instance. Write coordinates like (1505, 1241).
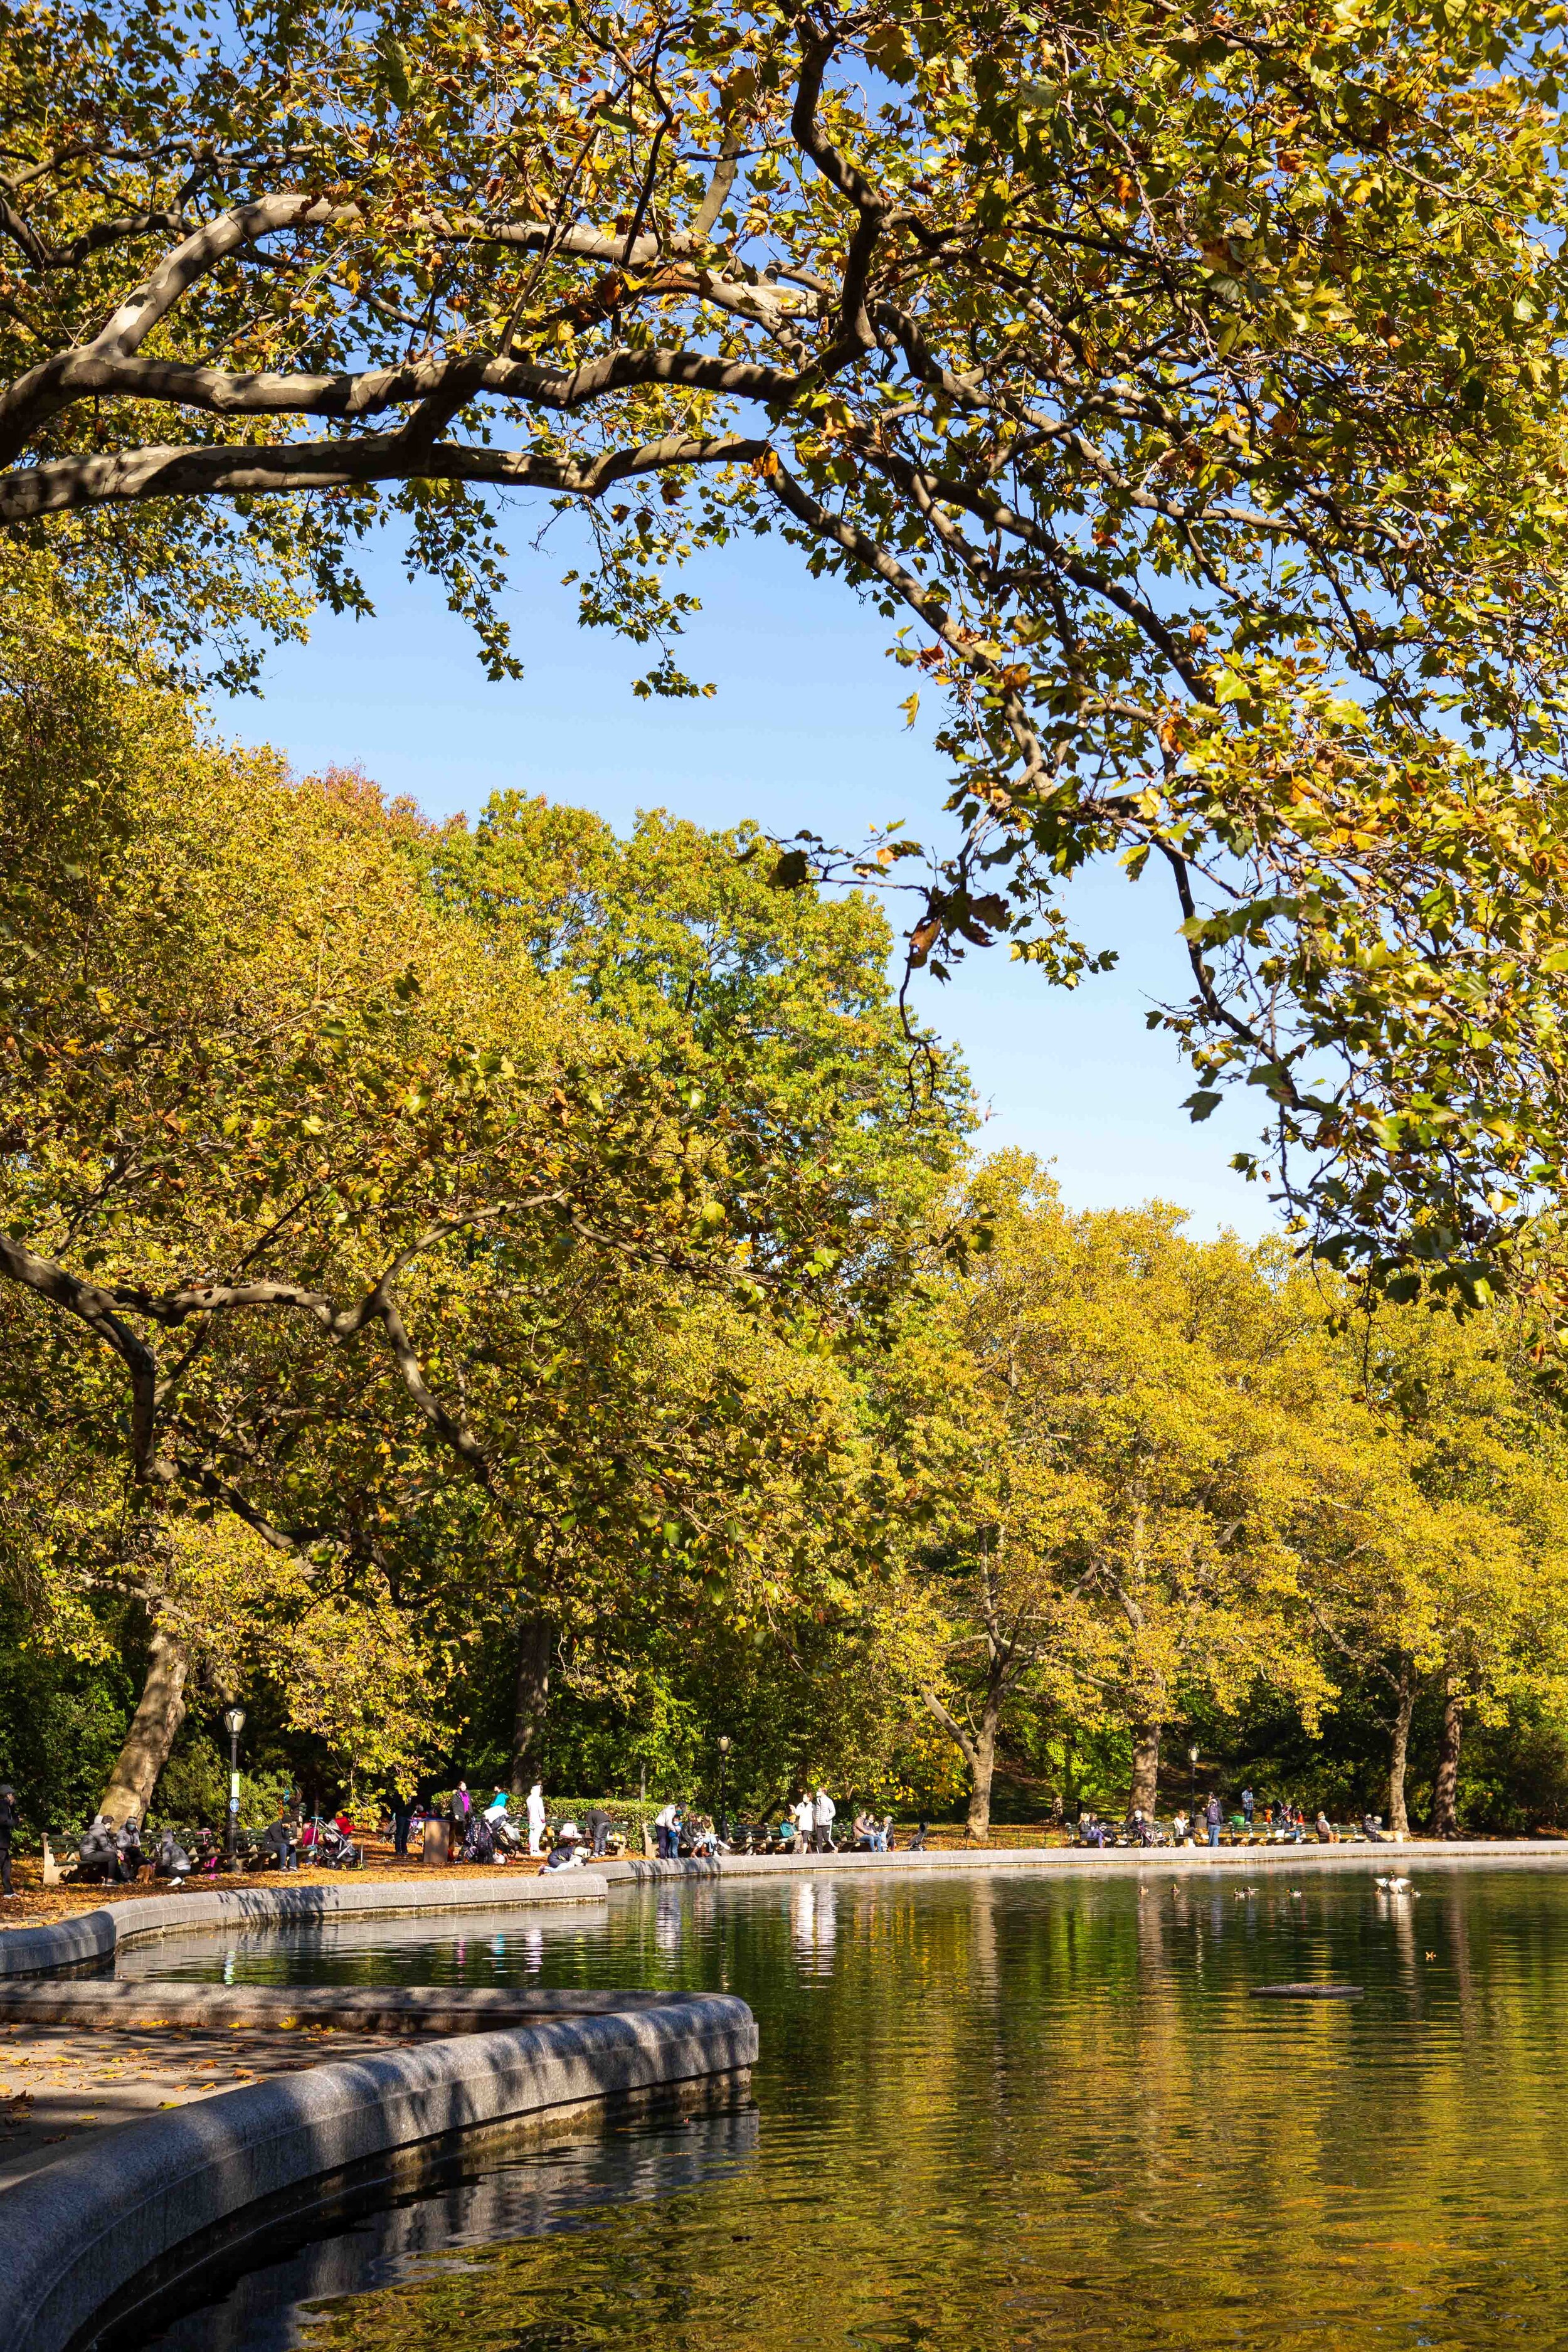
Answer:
(1193, 1760)
(234, 1724)
(723, 1759)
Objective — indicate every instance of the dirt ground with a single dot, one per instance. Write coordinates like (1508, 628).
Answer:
(36, 1906)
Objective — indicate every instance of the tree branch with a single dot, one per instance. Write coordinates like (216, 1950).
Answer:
(96, 1309)
(37, 395)
(954, 1729)
(65, 485)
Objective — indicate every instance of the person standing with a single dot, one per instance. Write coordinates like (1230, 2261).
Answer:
(402, 1814)
(1247, 1805)
(535, 1809)
(598, 1825)
(803, 1813)
(823, 1813)
(8, 1822)
(1213, 1816)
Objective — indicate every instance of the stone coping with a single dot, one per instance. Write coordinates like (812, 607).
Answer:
(139, 2004)
(96, 1936)
(1091, 1860)
(80, 2232)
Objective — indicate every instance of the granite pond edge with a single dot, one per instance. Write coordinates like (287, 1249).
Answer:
(79, 2233)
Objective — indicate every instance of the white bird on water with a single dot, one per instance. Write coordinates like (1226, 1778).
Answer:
(1397, 1886)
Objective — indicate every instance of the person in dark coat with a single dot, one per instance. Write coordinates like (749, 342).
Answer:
(97, 1853)
(171, 1859)
(7, 1823)
(402, 1814)
(278, 1841)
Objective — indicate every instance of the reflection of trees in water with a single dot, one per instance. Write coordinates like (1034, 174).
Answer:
(412, 2247)
(1003, 2115)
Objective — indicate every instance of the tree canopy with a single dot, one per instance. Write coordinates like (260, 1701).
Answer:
(1183, 386)
(1159, 1480)
(490, 1298)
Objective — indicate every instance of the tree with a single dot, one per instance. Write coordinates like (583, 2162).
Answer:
(775, 1005)
(1187, 389)
(1463, 1597)
(1123, 1440)
(330, 1213)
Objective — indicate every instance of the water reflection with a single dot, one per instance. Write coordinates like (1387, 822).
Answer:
(814, 1925)
(1008, 2113)
(418, 2242)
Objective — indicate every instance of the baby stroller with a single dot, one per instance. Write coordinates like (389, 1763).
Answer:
(479, 1845)
(328, 1846)
(508, 1839)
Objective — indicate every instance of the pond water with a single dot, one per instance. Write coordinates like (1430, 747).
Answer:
(991, 2113)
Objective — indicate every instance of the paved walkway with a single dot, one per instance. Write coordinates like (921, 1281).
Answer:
(60, 2085)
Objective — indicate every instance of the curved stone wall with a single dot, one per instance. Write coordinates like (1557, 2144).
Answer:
(148, 2197)
(1069, 1861)
(76, 2235)
(97, 1935)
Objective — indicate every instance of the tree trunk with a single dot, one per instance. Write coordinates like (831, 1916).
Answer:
(1145, 1766)
(534, 1646)
(1445, 1780)
(982, 1761)
(151, 1734)
(978, 1749)
(1399, 1754)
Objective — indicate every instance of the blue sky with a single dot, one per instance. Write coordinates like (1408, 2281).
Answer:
(804, 731)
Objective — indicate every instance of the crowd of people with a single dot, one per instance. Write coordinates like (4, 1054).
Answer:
(114, 1854)
(477, 1830)
(1280, 1822)
(480, 1829)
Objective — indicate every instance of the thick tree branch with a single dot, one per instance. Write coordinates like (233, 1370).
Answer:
(954, 1729)
(35, 397)
(92, 374)
(64, 485)
(854, 319)
(96, 1309)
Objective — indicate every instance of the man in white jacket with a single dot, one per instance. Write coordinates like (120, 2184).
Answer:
(822, 1814)
(536, 1811)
